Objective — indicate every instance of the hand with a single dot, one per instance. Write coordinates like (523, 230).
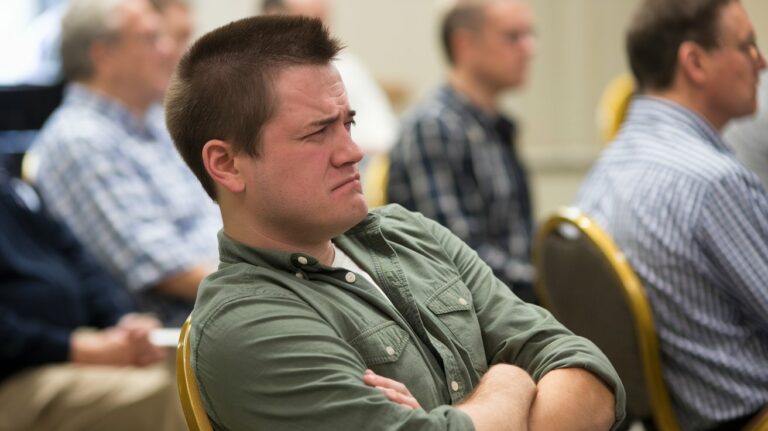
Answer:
(138, 327)
(106, 347)
(123, 345)
(392, 389)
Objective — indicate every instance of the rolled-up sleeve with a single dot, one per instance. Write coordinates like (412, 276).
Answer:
(522, 334)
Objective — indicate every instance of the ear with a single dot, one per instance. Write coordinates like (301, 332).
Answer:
(99, 55)
(462, 44)
(219, 161)
(692, 62)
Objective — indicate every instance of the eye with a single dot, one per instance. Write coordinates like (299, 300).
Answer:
(349, 123)
(316, 133)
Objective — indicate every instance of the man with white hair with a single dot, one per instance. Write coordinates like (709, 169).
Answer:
(107, 166)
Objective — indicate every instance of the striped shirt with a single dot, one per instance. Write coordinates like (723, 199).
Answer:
(693, 222)
(120, 185)
(456, 164)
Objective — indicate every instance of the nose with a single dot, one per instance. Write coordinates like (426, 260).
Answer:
(529, 44)
(346, 151)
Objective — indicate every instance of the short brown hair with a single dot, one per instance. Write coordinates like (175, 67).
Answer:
(466, 15)
(659, 28)
(223, 86)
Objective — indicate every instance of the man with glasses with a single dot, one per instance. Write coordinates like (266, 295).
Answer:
(455, 161)
(691, 219)
(108, 167)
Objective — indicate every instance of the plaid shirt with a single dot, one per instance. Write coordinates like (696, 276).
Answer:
(456, 164)
(120, 185)
(693, 223)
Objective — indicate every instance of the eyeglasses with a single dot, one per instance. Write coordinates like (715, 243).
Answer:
(750, 49)
(516, 36)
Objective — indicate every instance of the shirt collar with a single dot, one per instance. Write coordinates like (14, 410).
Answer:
(80, 95)
(453, 98)
(232, 251)
(660, 111)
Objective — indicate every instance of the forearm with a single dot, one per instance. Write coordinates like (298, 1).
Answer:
(572, 399)
(184, 284)
(502, 401)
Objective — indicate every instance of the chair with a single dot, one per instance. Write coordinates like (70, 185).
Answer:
(759, 423)
(375, 180)
(613, 105)
(189, 393)
(588, 285)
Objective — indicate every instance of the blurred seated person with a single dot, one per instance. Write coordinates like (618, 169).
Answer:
(108, 168)
(690, 218)
(456, 160)
(55, 373)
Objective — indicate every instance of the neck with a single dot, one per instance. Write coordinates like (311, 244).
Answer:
(132, 100)
(253, 233)
(479, 93)
(691, 99)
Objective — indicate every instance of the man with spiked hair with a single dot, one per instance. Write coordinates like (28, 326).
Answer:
(324, 315)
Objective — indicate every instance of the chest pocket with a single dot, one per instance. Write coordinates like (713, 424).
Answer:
(381, 344)
(388, 350)
(452, 305)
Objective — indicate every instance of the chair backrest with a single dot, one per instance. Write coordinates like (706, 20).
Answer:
(759, 422)
(588, 285)
(189, 393)
(375, 180)
(613, 105)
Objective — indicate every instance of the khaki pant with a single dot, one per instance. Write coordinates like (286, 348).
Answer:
(84, 398)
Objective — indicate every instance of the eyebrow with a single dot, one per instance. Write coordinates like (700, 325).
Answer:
(330, 120)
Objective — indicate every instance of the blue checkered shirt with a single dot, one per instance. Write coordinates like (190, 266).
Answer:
(693, 223)
(120, 185)
(456, 164)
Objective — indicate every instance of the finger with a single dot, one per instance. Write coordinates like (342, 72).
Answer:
(377, 380)
(400, 398)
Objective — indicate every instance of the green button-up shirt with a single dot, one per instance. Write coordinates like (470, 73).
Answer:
(280, 341)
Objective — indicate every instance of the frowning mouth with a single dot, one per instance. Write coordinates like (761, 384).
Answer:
(354, 179)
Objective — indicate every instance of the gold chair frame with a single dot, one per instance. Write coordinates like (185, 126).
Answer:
(189, 393)
(636, 298)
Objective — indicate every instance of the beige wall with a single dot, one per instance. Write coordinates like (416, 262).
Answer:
(580, 48)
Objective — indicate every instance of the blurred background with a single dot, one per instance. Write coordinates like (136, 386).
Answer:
(579, 51)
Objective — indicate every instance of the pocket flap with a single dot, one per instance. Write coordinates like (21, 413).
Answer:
(381, 344)
(454, 296)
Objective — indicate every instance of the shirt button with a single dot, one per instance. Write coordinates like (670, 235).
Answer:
(303, 260)
(300, 275)
(350, 277)
(462, 301)
(455, 386)
(390, 351)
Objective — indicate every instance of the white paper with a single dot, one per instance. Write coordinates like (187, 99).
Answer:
(165, 337)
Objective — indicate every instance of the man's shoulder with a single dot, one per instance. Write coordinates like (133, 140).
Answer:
(243, 286)
(409, 228)
(436, 108)
(74, 129)
(393, 216)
